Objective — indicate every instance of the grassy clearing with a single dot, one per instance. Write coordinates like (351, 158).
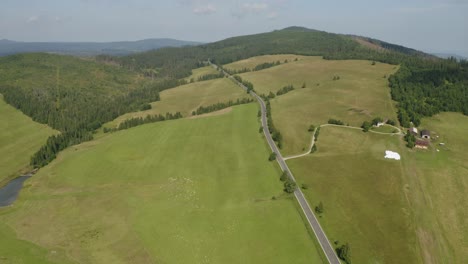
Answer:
(362, 194)
(183, 191)
(200, 72)
(385, 129)
(187, 98)
(20, 138)
(438, 181)
(360, 94)
(250, 63)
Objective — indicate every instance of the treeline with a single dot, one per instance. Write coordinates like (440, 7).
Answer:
(137, 121)
(247, 84)
(218, 106)
(284, 90)
(57, 143)
(275, 133)
(427, 90)
(74, 106)
(266, 65)
(210, 76)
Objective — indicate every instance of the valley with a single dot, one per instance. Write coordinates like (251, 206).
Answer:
(265, 148)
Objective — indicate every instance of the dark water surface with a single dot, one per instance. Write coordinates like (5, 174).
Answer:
(9, 192)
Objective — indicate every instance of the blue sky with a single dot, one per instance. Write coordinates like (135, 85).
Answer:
(430, 25)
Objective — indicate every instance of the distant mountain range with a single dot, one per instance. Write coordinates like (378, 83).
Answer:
(8, 47)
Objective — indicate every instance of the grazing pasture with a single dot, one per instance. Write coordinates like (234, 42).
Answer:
(182, 191)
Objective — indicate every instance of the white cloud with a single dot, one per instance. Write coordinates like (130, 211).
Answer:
(254, 7)
(32, 19)
(272, 15)
(204, 10)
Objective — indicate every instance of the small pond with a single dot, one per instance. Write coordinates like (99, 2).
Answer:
(9, 192)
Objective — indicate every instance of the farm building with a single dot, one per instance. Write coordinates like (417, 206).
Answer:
(426, 134)
(421, 144)
(413, 131)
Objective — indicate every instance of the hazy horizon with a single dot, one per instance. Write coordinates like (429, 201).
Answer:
(435, 26)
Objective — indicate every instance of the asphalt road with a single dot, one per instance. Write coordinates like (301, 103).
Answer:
(311, 219)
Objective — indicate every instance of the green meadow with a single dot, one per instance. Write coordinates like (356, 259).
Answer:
(182, 191)
(360, 94)
(20, 138)
(407, 211)
(188, 98)
(438, 180)
(362, 194)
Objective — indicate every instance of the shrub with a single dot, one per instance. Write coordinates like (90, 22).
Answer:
(272, 156)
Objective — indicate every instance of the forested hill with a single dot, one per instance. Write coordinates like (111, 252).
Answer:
(178, 62)
(73, 95)
(424, 86)
(118, 48)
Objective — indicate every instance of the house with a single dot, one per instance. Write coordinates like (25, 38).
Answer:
(426, 134)
(413, 131)
(421, 144)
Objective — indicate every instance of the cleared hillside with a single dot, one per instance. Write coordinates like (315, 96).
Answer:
(184, 191)
(361, 93)
(20, 137)
(187, 98)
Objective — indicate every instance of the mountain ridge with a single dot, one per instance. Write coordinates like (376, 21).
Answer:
(115, 48)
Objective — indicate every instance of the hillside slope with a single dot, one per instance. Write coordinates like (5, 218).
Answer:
(183, 191)
(20, 137)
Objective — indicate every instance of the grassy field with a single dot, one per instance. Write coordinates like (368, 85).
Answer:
(362, 194)
(187, 98)
(183, 191)
(20, 138)
(439, 180)
(385, 129)
(250, 63)
(200, 72)
(360, 94)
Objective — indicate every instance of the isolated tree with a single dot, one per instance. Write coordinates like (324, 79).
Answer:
(319, 208)
(304, 85)
(344, 253)
(366, 125)
(272, 156)
(311, 128)
(304, 186)
(289, 186)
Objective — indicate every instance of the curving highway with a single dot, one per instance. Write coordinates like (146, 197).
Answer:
(311, 219)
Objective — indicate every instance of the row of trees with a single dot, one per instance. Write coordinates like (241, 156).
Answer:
(335, 122)
(218, 106)
(284, 90)
(247, 84)
(275, 133)
(210, 76)
(137, 121)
